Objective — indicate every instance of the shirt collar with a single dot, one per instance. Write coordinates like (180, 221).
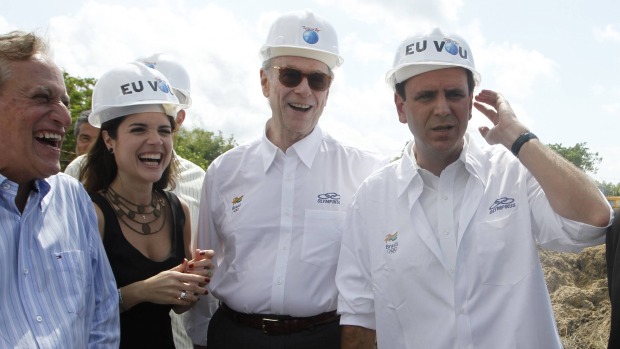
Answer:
(407, 170)
(472, 156)
(306, 148)
(38, 186)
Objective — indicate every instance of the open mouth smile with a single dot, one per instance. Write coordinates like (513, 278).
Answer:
(300, 107)
(51, 139)
(150, 158)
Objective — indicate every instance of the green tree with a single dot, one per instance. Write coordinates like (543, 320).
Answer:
(200, 146)
(80, 91)
(609, 189)
(579, 155)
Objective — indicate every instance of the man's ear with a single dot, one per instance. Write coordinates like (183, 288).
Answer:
(400, 107)
(471, 106)
(264, 82)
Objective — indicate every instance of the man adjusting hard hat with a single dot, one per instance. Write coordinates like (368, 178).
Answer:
(440, 248)
(273, 222)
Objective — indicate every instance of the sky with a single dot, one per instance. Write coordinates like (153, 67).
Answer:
(557, 62)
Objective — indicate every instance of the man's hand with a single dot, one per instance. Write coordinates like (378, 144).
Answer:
(506, 127)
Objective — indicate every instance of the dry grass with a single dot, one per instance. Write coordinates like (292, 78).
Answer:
(578, 287)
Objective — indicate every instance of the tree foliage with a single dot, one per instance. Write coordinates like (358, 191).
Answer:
(579, 155)
(80, 91)
(610, 189)
(200, 146)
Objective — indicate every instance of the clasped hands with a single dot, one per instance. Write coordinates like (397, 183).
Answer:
(182, 285)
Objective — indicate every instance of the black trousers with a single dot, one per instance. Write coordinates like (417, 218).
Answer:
(226, 333)
(612, 244)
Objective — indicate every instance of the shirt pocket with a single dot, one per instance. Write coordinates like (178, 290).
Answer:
(70, 268)
(506, 252)
(322, 237)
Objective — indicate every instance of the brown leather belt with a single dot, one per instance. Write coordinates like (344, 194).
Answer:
(279, 324)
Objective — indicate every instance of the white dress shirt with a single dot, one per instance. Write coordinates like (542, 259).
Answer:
(75, 166)
(464, 274)
(274, 220)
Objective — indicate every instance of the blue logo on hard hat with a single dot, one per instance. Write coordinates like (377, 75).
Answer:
(163, 86)
(451, 48)
(311, 35)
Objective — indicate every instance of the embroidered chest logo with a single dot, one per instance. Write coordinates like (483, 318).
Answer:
(391, 243)
(502, 203)
(236, 203)
(328, 198)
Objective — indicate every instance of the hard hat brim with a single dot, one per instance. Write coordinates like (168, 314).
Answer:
(106, 113)
(406, 71)
(184, 98)
(330, 59)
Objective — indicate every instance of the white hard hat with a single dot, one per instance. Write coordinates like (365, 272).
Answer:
(423, 53)
(302, 34)
(128, 89)
(175, 72)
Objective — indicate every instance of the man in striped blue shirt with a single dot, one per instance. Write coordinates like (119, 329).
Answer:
(56, 286)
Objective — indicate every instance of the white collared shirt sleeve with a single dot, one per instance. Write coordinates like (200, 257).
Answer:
(356, 298)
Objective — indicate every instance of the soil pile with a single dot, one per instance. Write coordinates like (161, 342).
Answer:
(578, 287)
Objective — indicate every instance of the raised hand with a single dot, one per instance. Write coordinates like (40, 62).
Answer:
(506, 127)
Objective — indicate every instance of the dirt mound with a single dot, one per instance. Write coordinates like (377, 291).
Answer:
(578, 287)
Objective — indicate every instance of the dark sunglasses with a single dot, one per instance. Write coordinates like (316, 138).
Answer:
(290, 77)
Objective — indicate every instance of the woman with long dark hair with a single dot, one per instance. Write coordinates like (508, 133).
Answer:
(145, 228)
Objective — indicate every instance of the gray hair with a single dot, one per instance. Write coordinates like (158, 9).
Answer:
(19, 46)
(80, 121)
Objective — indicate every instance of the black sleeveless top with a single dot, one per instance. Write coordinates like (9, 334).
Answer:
(146, 325)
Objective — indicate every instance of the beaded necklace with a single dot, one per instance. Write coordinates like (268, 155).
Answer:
(128, 212)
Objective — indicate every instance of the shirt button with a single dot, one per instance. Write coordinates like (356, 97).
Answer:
(25, 271)
(39, 318)
(6, 186)
(279, 282)
(444, 198)
(462, 310)
(446, 232)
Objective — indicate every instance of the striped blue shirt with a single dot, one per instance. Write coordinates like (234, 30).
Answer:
(56, 286)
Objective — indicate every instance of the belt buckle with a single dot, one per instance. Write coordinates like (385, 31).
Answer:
(265, 322)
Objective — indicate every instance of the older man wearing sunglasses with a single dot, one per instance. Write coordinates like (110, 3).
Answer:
(272, 208)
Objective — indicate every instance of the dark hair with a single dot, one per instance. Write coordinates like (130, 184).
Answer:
(100, 168)
(18, 46)
(471, 84)
(79, 121)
